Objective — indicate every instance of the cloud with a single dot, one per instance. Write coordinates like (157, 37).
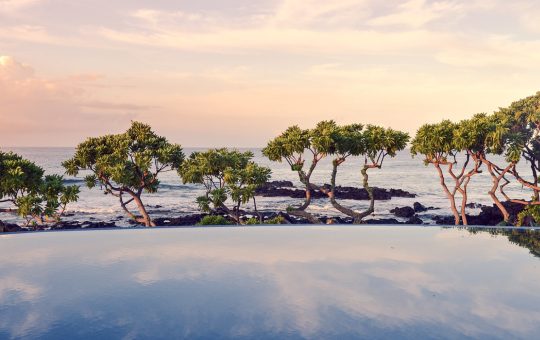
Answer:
(36, 107)
(10, 6)
(416, 13)
(116, 106)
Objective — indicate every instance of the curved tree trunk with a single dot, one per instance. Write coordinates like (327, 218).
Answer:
(234, 215)
(301, 210)
(145, 217)
(496, 179)
(357, 216)
(451, 197)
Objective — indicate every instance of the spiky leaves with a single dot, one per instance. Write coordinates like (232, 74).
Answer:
(38, 198)
(225, 174)
(126, 164)
(371, 142)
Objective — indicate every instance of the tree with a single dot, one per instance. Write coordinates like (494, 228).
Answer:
(38, 198)
(523, 140)
(472, 136)
(225, 174)
(477, 137)
(126, 164)
(437, 144)
(291, 146)
(485, 135)
(373, 143)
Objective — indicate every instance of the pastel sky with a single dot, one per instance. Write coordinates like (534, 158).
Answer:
(237, 72)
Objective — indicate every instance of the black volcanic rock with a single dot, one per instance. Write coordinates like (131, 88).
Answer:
(271, 189)
(492, 215)
(414, 220)
(382, 221)
(419, 207)
(179, 221)
(443, 220)
(9, 227)
(405, 212)
(70, 225)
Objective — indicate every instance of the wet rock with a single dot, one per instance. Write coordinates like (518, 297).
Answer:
(283, 184)
(414, 220)
(71, 225)
(492, 215)
(404, 212)
(180, 220)
(98, 225)
(443, 220)
(352, 193)
(9, 227)
(475, 205)
(419, 207)
(382, 221)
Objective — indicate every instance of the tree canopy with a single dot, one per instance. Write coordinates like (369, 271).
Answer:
(39, 198)
(126, 164)
(224, 174)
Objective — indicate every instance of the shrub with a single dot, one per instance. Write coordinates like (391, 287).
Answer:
(214, 220)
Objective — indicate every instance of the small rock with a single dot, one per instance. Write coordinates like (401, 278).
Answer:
(419, 207)
(405, 212)
(415, 220)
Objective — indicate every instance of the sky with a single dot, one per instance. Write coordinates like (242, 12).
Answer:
(236, 73)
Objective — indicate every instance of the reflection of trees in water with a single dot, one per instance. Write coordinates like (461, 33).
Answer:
(526, 238)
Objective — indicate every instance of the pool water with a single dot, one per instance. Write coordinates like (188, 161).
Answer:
(296, 282)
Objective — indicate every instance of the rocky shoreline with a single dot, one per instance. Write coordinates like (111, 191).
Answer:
(287, 189)
(417, 214)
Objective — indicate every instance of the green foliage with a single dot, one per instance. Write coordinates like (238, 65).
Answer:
(130, 160)
(276, 220)
(38, 197)
(349, 140)
(386, 141)
(290, 145)
(214, 220)
(127, 163)
(255, 221)
(18, 176)
(435, 141)
(252, 221)
(530, 214)
(225, 174)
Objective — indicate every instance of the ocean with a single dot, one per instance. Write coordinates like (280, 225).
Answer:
(175, 198)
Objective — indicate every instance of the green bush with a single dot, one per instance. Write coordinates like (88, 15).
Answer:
(214, 220)
(252, 221)
(39, 198)
(275, 220)
(530, 216)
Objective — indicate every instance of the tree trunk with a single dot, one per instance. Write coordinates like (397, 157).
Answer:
(464, 201)
(142, 209)
(234, 215)
(357, 217)
(257, 211)
(492, 193)
(300, 211)
(145, 218)
(451, 197)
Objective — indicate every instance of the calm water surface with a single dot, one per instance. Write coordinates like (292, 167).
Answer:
(269, 283)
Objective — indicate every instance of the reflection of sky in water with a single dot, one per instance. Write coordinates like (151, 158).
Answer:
(275, 282)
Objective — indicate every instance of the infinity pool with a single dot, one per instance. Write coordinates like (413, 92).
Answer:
(271, 283)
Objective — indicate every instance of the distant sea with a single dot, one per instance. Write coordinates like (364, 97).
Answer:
(175, 198)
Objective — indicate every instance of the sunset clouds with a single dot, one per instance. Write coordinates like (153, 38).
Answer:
(199, 71)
